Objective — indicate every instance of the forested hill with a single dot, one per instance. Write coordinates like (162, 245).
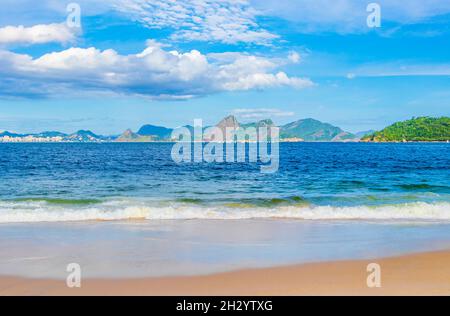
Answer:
(419, 129)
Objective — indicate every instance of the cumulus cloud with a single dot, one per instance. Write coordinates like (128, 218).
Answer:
(154, 72)
(245, 72)
(263, 80)
(227, 21)
(261, 113)
(37, 34)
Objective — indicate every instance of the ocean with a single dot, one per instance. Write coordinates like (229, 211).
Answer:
(80, 182)
(128, 210)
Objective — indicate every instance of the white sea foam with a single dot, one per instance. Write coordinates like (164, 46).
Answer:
(17, 212)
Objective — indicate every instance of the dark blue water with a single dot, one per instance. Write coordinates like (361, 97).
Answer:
(39, 179)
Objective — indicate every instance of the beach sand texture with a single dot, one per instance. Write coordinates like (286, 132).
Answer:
(417, 274)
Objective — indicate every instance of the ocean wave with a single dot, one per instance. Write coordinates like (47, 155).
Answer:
(60, 201)
(425, 187)
(248, 202)
(117, 210)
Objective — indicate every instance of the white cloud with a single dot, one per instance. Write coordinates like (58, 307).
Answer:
(294, 57)
(245, 72)
(154, 72)
(264, 80)
(261, 113)
(37, 34)
(227, 21)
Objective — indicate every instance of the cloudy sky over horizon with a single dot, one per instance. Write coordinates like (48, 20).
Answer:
(168, 62)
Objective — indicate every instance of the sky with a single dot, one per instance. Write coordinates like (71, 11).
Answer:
(111, 65)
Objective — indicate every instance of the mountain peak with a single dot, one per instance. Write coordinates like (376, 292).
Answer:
(84, 136)
(84, 132)
(128, 133)
(130, 136)
(228, 122)
(158, 132)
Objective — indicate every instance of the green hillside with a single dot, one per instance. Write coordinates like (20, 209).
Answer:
(416, 129)
(314, 131)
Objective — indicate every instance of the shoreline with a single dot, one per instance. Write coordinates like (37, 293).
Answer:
(425, 273)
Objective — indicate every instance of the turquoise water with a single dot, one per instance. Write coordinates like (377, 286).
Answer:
(76, 182)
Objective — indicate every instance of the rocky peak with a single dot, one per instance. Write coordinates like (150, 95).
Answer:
(228, 122)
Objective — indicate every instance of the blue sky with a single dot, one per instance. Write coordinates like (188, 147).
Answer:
(133, 62)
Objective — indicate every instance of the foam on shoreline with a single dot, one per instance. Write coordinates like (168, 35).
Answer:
(115, 210)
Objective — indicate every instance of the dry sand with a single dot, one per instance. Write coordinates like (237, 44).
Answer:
(418, 274)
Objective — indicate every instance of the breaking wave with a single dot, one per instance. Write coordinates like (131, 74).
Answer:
(24, 211)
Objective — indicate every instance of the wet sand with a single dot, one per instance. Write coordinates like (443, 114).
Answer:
(417, 274)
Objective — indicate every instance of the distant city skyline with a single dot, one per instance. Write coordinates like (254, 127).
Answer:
(167, 63)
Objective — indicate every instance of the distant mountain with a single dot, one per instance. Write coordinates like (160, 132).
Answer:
(302, 130)
(233, 123)
(230, 122)
(157, 132)
(315, 131)
(83, 136)
(414, 130)
(262, 123)
(129, 137)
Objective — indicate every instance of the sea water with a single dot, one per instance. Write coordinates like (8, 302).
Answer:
(77, 182)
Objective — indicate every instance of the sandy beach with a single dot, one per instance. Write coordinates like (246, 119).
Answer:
(417, 274)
